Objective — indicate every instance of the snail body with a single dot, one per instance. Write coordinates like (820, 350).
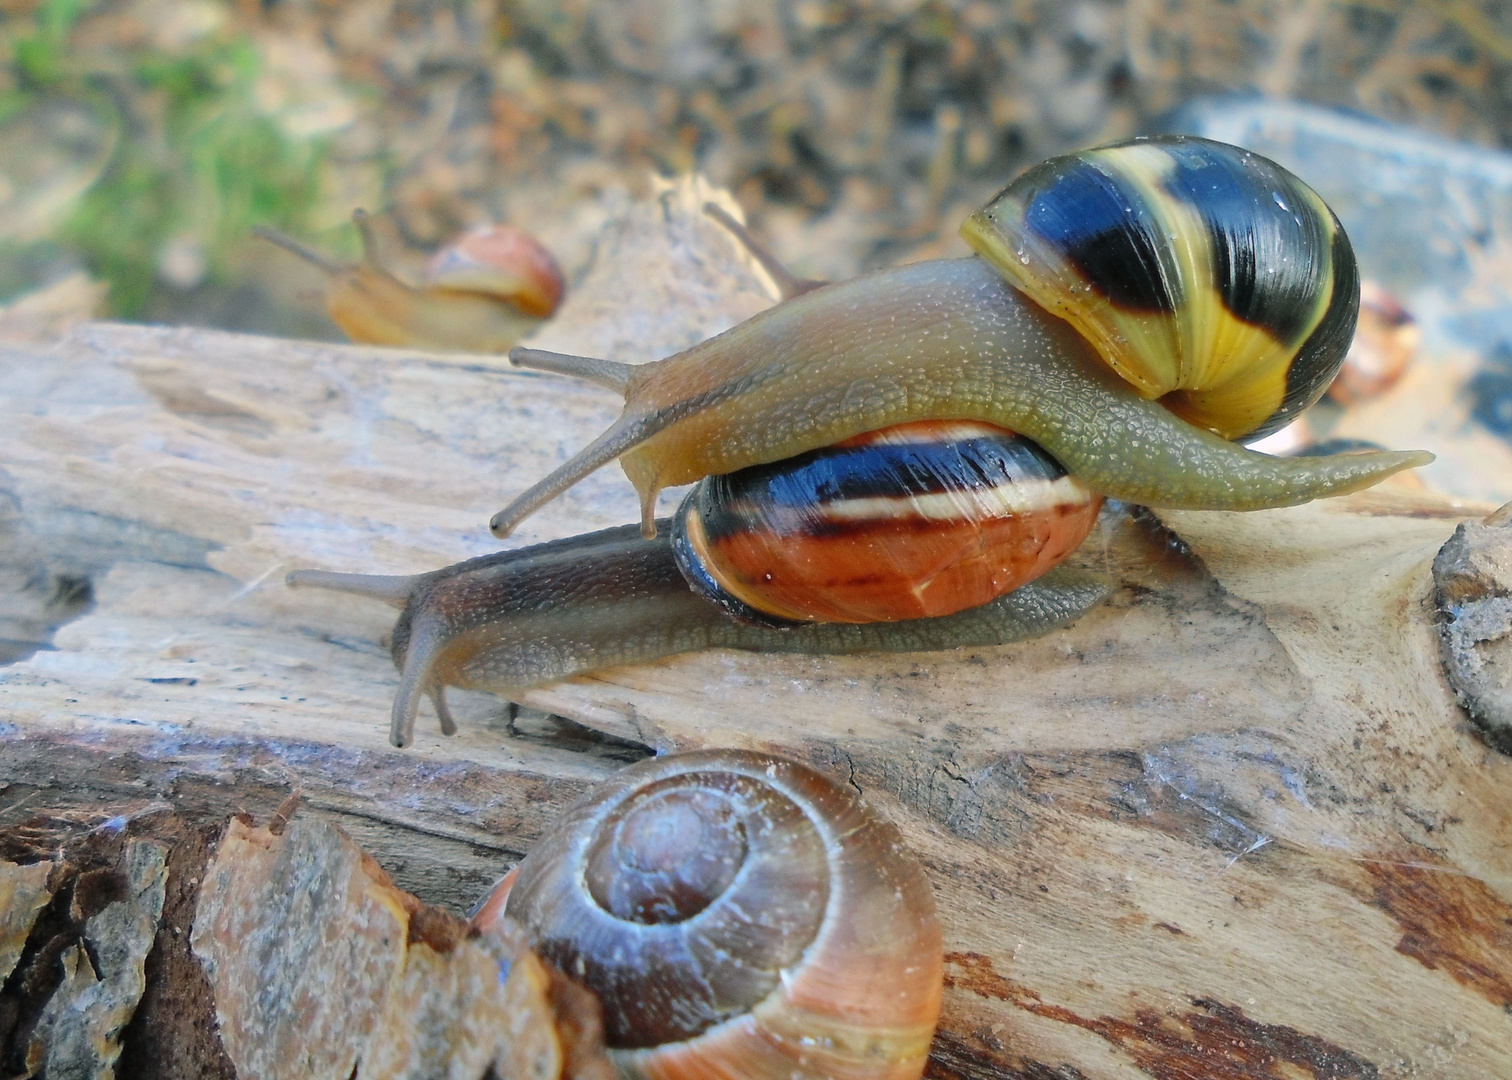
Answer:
(515, 619)
(739, 915)
(953, 339)
(483, 291)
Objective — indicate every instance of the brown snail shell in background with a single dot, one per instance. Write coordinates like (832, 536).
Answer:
(1385, 343)
(739, 915)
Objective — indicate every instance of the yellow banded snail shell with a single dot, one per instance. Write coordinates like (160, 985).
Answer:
(739, 915)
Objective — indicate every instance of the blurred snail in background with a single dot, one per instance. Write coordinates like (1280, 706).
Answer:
(738, 915)
(1384, 344)
(877, 457)
(483, 291)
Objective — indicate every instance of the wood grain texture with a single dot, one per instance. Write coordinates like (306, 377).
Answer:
(1232, 824)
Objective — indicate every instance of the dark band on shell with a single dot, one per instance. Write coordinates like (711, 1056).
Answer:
(1208, 276)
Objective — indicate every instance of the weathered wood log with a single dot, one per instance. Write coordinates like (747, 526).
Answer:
(1232, 824)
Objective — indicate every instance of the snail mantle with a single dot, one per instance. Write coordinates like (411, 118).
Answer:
(1233, 814)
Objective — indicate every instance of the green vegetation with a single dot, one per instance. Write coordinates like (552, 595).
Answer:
(179, 158)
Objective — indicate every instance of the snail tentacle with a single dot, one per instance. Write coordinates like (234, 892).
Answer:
(443, 713)
(393, 590)
(788, 283)
(610, 374)
(626, 432)
(294, 247)
(420, 641)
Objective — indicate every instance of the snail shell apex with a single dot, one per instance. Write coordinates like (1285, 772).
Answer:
(739, 915)
(1205, 275)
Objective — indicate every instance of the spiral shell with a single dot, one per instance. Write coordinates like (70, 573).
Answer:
(739, 915)
(1207, 276)
(499, 261)
(914, 521)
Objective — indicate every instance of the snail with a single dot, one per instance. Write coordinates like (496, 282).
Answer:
(514, 619)
(483, 291)
(738, 915)
(1217, 295)
(1131, 309)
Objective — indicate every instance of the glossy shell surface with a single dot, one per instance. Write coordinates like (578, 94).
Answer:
(500, 261)
(1207, 276)
(739, 915)
(917, 520)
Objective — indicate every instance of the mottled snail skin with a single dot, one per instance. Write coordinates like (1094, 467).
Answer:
(954, 340)
(741, 917)
(512, 620)
(917, 521)
(483, 292)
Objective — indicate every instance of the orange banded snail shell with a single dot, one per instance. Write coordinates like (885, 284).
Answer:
(914, 521)
(739, 915)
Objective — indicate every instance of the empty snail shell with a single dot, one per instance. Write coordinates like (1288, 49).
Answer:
(739, 915)
(1218, 295)
(483, 291)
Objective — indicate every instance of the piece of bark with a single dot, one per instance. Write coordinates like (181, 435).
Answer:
(1472, 576)
(322, 969)
(78, 1035)
(24, 893)
(1235, 816)
(302, 938)
(94, 918)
